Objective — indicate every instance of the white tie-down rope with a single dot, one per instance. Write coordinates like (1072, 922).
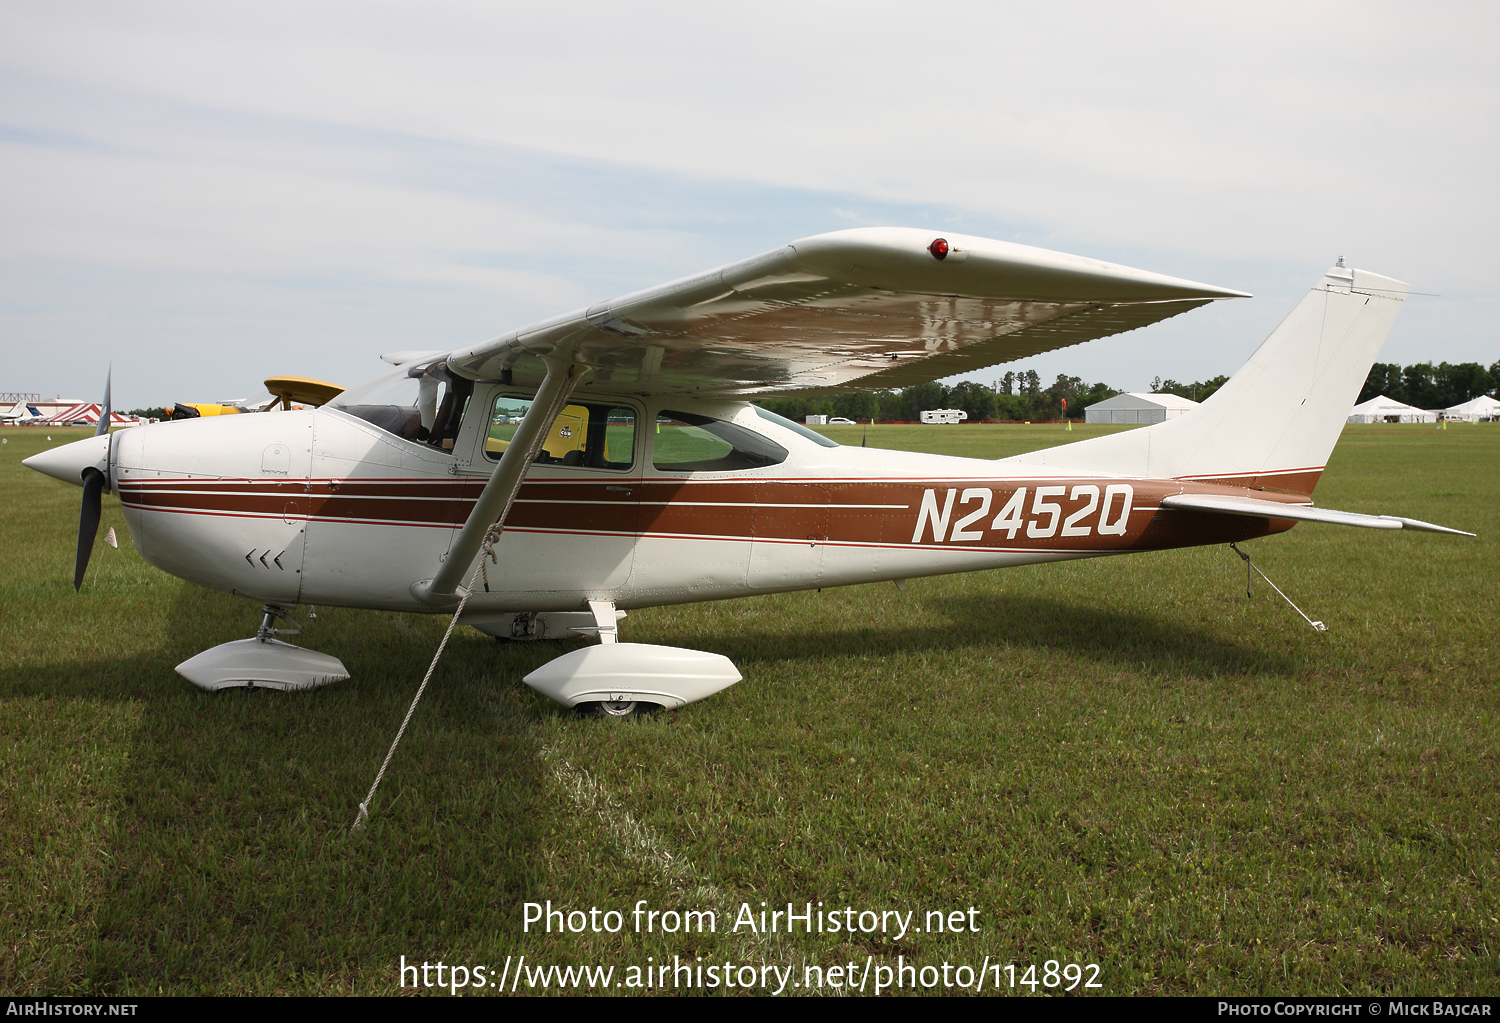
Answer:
(1317, 626)
(485, 551)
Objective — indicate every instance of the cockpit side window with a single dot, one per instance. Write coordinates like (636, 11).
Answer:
(592, 435)
(686, 442)
(456, 391)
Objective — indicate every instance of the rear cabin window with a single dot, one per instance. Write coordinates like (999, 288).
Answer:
(594, 436)
(685, 442)
(795, 427)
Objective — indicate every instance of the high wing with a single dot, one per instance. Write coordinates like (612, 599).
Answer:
(1257, 509)
(866, 308)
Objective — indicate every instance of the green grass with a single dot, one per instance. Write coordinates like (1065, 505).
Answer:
(1122, 762)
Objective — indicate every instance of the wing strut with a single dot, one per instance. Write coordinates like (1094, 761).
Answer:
(505, 482)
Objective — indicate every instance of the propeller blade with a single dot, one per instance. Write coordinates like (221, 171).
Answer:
(103, 426)
(88, 521)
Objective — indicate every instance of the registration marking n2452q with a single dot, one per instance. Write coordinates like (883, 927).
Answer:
(1107, 514)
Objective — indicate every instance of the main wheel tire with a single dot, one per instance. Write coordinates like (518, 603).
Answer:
(618, 709)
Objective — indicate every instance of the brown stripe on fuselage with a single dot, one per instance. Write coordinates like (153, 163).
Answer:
(263, 502)
(419, 502)
(682, 507)
(856, 512)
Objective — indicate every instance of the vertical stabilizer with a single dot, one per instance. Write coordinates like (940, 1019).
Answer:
(1275, 422)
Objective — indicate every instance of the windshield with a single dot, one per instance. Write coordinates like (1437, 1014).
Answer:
(417, 403)
(392, 387)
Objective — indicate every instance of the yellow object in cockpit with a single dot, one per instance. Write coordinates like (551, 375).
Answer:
(567, 441)
(569, 433)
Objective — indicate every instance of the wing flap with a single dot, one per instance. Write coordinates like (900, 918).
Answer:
(865, 308)
(1254, 508)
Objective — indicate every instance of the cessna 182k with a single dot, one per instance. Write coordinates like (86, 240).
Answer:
(609, 459)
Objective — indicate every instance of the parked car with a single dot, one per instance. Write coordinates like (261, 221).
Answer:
(840, 421)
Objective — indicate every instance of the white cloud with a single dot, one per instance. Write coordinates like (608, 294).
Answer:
(487, 162)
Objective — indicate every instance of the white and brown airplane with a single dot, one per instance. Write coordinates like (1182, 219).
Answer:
(613, 460)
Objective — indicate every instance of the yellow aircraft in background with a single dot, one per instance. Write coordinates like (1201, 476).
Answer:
(290, 392)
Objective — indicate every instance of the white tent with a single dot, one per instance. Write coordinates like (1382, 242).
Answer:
(1134, 407)
(1388, 410)
(1473, 410)
(84, 414)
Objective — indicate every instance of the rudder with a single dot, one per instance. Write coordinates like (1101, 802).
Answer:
(1274, 423)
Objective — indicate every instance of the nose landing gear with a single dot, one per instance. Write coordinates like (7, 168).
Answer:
(263, 662)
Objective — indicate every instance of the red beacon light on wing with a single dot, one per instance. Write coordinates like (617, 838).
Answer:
(939, 248)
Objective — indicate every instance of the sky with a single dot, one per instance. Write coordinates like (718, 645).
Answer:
(203, 195)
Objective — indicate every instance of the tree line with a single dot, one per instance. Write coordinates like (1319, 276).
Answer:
(1431, 387)
(1021, 397)
(1017, 397)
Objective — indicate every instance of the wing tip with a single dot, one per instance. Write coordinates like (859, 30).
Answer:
(1427, 527)
(912, 246)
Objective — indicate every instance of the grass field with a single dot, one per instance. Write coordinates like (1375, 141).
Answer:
(1122, 762)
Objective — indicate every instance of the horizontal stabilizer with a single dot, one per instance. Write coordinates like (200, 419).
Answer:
(1253, 508)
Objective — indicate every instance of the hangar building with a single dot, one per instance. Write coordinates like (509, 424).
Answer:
(1133, 407)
